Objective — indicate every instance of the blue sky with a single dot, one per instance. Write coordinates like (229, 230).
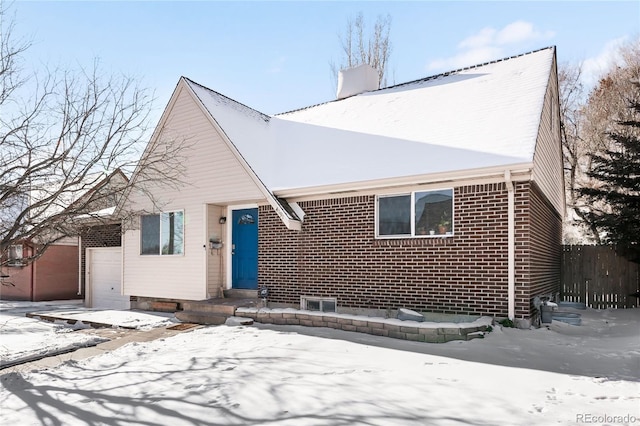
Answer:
(274, 56)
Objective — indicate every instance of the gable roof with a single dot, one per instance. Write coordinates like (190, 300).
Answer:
(474, 118)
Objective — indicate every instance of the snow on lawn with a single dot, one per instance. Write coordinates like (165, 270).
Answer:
(116, 318)
(257, 375)
(23, 338)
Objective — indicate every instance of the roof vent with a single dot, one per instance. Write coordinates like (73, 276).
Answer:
(356, 80)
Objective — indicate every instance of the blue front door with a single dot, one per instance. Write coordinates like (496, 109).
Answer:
(244, 249)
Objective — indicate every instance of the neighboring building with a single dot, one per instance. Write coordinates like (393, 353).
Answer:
(53, 276)
(443, 194)
(59, 273)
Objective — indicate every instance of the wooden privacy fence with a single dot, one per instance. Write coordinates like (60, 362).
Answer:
(598, 277)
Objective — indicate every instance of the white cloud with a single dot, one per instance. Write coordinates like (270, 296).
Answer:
(594, 68)
(489, 44)
(482, 38)
(474, 56)
(521, 32)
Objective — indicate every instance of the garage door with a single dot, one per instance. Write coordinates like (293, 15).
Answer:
(104, 266)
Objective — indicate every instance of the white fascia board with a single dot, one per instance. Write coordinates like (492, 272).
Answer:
(519, 172)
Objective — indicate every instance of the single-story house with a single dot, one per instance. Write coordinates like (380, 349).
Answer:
(442, 194)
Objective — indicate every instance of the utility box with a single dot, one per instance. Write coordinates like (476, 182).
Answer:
(546, 314)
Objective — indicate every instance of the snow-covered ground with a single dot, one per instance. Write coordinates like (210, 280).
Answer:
(289, 376)
(23, 338)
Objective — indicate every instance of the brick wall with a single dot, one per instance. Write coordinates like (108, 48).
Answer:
(523, 249)
(336, 255)
(21, 279)
(98, 236)
(56, 274)
(53, 276)
(546, 246)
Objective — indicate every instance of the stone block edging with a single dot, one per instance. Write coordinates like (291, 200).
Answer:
(430, 332)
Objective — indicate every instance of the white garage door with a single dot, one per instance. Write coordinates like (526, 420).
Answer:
(104, 274)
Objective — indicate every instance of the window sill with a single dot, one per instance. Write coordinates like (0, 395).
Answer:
(427, 240)
(412, 237)
(444, 240)
(162, 255)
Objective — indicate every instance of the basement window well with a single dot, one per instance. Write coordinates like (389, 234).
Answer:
(318, 304)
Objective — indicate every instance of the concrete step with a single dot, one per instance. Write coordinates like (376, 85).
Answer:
(213, 311)
(208, 318)
(234, 293)
(210, 307)
(226, 306)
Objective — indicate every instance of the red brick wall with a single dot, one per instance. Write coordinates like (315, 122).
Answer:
(53, 276)
(20, 278)
(336, 255)
(56, 274)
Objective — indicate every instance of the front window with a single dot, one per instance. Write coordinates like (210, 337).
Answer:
(162, 234)
(423, 213)
(394, 215)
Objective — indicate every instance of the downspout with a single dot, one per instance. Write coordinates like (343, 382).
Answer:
(511, 245)
(79, 266)
(32, 290)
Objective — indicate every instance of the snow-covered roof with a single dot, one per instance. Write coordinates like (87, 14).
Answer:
(478, 117)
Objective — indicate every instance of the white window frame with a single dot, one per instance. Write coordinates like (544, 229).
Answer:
(413, 218)
(18, 258)
(160, 234)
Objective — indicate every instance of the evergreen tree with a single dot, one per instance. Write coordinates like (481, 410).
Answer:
(617, 172)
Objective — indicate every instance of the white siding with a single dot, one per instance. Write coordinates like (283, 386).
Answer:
(547, 160)
(213, 176)
(216, 257)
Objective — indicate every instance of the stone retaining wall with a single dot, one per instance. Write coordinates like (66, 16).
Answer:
(407, 330)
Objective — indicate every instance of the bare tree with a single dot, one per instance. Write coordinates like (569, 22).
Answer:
(62, 134)
(359, 48)
(607, 104)
(575, 152)
(571, 103)
(587, 122)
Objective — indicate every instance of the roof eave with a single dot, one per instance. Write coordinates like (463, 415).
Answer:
(519, 172)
